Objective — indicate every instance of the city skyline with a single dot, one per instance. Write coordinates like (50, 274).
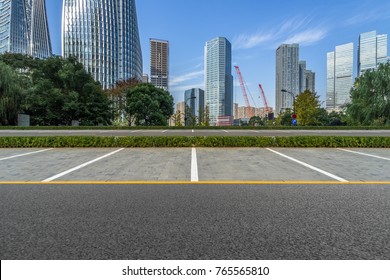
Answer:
(255, 29)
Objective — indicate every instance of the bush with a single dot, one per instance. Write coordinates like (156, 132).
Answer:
(182, 141)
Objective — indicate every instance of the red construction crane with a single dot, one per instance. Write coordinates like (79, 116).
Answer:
(264, 99)
(243, 88)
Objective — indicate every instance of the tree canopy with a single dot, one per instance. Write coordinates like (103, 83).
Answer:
(10, 95)
(307, 108)
(370, 98)
(57, 91)
(148, 105)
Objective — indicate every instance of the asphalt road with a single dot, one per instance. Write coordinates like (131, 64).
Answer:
(183, 132)
(192, 221)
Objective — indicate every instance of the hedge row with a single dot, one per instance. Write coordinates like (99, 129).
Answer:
(182, 141)
(197, 127)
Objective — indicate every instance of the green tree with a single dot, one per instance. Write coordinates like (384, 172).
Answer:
(149, 105)
(11, 95)
(204, 116)
(284, 119)
(307, 108)
(256, 121)
(370, 98)
(177, 119)
(117, 95)
(63, 91)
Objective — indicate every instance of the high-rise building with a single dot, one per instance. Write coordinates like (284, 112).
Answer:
(194, 100)
(302, 76)
(306, 78)
(287, 76)
(159, 63)
(372, 51)
(339, 76)
(24, 28)
(219, 81)
(103, 35)
(310, 78)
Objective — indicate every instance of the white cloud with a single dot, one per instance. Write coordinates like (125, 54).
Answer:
(307, 37)
(182, 88)
(295, 30)
(245, 41)
(369, 16)
(185, 77)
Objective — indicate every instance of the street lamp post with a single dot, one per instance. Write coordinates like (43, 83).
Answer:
(293, 95)
(294, 116)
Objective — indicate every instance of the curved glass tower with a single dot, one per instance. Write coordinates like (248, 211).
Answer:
(103, 35)
(24, 28)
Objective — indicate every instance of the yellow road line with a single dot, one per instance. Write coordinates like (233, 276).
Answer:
(195, 183)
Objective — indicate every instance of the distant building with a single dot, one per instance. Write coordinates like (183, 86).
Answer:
(159, 63)
(145, 78)
(180, 109)
(372, 51)
(310, 78)
(103, 35)
(339, 76)
(244, 112)
(24, 28)
(194, 99)
(302, 76)
(219, 81)
(287, 76)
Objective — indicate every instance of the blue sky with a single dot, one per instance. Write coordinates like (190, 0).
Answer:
(255, 28)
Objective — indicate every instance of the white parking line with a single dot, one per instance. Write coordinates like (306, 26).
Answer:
(225, 131)
(164, 131)
(368, 155)
(194, 166)
(310, 166)
(193, 131)
(26, 154)
(80, 166)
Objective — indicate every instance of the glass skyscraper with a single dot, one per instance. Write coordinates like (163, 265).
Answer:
(194, 101)
(24, 28)
(372, 51)
(339, 76)
(219, 81)
(103, 35)
(287, 76)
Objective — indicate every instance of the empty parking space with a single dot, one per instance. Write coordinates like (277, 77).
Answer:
(250, 165)
(350, 166)
(39, 166)
(138, 165)
(210, 164)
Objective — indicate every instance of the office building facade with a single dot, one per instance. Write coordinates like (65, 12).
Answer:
(339, 76)
(219, 81)
(372, 51)
(24, 28)
(310, 80)
(287, 76)
(159, 63)
(103, 35)
(194, 100)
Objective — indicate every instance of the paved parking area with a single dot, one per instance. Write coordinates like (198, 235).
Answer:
(196, 165)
